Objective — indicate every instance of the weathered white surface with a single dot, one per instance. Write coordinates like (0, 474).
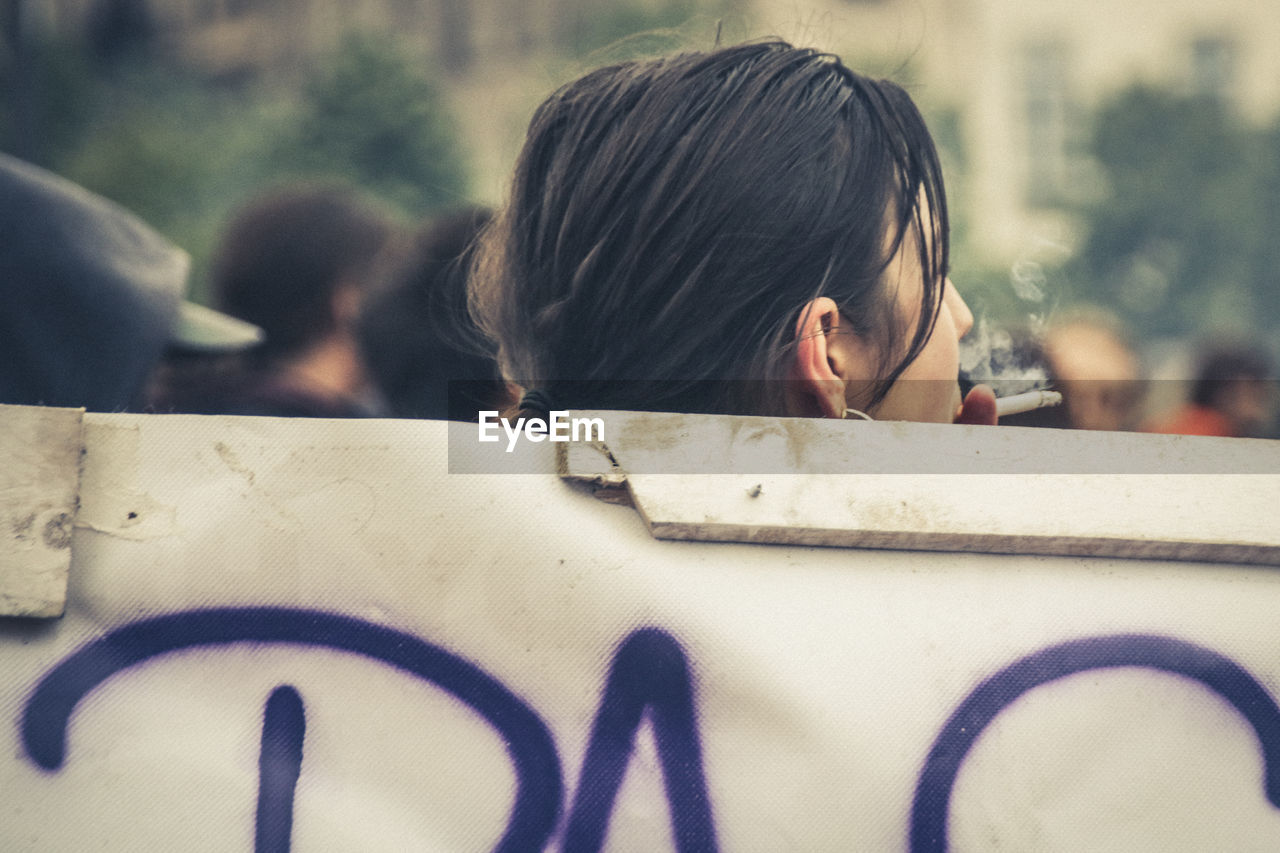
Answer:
(821, 677)
(940, 488)
(39, 478)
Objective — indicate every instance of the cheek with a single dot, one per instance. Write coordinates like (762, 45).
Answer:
(928, 389)
(940, 358)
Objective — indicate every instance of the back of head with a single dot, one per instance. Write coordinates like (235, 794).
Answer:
(284, 258)
(670, 218)
(1222, 363)
(1093, 363)
(90, 294)
(420, 346)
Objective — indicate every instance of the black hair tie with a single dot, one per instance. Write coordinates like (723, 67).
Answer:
(537, 400)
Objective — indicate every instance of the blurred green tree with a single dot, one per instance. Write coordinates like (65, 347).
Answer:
(176, 151)
(1183, 240)
(375, 118)
(183, 151)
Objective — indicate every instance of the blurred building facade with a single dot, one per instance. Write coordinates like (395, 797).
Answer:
(497, 58)
(1013, 80)
(1021, 77)
(271, 36)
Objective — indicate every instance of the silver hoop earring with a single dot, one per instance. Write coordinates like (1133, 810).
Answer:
(856, 415)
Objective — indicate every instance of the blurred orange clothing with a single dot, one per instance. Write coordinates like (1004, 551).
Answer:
(1192, 420)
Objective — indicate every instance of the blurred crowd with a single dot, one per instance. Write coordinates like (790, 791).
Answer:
(324, 305)
(1219, 386)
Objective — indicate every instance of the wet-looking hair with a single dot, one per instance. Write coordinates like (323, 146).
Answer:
(670, 218)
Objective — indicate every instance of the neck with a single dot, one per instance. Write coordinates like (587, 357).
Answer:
(330, 369)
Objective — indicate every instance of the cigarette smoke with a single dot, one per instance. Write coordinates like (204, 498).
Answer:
(1012, 362)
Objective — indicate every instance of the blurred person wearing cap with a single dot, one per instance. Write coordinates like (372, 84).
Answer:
(295, 262)
(93, 297)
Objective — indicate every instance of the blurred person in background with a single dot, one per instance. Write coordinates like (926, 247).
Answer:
(424, 354)
(1233, 394)
(1091, 361)
(295, 262)
(92, 297)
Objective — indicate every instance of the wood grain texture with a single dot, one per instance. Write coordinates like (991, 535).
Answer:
(941, 487)
(40, 451)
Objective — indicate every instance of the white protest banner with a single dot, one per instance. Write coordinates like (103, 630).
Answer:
(315, 636)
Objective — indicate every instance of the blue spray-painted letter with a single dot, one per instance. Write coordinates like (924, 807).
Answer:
(529, 743)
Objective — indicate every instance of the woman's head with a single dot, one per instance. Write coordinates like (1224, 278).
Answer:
(675, 223)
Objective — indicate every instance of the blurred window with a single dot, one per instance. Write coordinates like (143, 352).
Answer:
(206, 10)
(1052, 123)
(1213, 67)
(455, 27)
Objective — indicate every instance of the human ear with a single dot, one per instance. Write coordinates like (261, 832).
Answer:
(817, 369)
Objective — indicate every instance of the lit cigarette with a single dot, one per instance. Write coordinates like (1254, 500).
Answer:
(1030, 401)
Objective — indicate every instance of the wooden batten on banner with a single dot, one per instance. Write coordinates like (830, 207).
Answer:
(936, 487)
(40, 452)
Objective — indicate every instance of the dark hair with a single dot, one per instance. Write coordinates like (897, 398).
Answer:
(420, 346)
(669, 219)
(285, 255)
